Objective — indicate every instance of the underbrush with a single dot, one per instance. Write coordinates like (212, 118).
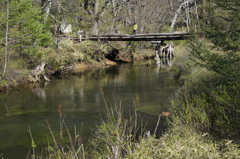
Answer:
(181, 65)
(119, 136)
(116, 136)
(17, 72)
(182, 142)
(209, 102)
(70, 53)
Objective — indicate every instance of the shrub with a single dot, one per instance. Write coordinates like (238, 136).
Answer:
(183, 142)
(115, 137)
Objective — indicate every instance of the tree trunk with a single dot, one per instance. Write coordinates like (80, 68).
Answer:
(96, 19)
(187, 10)
(196, 13)
(171, 4)
(176, 14)
(46, 12)
(116, 8)
(95, 29)
(97, 14)
(6, 42)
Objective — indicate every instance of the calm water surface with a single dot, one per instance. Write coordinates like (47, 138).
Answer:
(148, 88)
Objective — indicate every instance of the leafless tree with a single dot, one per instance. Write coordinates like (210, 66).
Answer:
(6, 41)
(190, 7)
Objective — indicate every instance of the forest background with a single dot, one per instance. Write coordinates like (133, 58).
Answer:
(204, 121)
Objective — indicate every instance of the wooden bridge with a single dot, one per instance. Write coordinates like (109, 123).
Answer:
(137, 37)
(157, 39)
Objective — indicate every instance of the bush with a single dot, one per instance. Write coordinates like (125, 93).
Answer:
(182, 142)
(115, 137)
(207, 103)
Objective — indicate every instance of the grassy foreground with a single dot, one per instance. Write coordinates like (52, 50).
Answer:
(116, 137)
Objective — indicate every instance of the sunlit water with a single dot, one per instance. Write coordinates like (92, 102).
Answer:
(81, 98)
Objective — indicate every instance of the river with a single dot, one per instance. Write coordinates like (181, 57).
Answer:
(79, 93)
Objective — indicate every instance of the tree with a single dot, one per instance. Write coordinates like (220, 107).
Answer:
(24, 32)
(6, 41)
(221, 26)
(189, 9)
(220, 54)
(26, 27)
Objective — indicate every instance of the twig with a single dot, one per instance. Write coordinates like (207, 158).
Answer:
(157, 125)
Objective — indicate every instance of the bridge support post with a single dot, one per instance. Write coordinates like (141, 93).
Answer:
(158, 53)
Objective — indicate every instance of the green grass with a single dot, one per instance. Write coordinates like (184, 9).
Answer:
(184, 143)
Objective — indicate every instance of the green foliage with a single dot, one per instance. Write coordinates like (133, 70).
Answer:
(225, 63)
(182, 142)
(115, 136)
(26, 35)
(207, 103)
(223, 29)
(26, 30)
(223, 32)
(209, 100)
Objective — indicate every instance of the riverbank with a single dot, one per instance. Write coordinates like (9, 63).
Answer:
(71, 56)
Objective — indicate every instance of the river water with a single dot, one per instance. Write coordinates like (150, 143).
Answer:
(79, 93)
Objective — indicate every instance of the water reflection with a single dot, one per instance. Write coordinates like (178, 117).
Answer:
(165, 64)
(147, 88)
(39, 90)
(6, 107)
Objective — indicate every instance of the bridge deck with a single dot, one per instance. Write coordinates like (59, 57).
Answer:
(137, 37)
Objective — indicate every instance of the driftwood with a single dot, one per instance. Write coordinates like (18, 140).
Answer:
(36, 74)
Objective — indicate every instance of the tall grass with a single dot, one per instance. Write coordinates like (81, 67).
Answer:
(181, 142)
(64, 145)
(114, 137)
(119, 137)
(117, 134)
